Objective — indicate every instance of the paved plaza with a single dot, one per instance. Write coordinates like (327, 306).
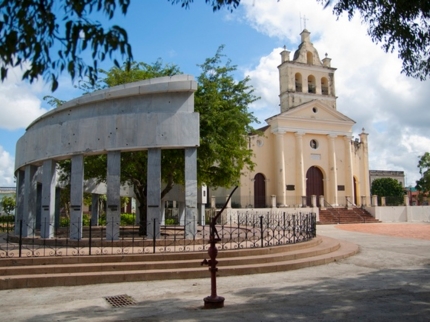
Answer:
(389, 280)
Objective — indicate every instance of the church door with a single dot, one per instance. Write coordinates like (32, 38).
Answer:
(259, 191)
(314, 184)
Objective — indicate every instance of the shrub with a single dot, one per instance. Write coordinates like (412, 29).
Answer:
(128, 219)
(7, 219)
(171, 222)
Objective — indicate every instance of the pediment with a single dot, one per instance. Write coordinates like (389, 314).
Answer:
(311, 116)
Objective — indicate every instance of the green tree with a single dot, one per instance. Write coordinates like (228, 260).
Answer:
(389, 188)
(401, 25)
(8, 204)
(47, 37)
(225, 122)
(423, 184)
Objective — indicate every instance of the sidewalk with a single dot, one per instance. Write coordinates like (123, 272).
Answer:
(389, 280)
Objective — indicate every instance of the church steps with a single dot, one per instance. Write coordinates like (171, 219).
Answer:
(345, 216)
(327, 250)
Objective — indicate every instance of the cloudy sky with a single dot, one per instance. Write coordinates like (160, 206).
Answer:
(370, 88)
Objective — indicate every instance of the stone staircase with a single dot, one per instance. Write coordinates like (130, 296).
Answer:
(83, 270)
(357, 215)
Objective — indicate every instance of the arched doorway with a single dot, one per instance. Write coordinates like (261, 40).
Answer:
(259, 191)
(314, 184)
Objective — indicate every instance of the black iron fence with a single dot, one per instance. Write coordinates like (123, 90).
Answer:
(247, 230)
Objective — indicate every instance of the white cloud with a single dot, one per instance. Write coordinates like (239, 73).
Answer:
(265, 80)
(18, 101)
(391, 107)
(6, 169)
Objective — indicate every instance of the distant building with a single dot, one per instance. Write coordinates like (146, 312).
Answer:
(378, 174)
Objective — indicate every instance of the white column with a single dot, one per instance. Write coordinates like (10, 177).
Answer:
(280, 169)
(365, 184)
(154, 193)
(48, 199)
(322, 205)
(406, 200)
(76, 196)
(333, 170)
(314, 200)
(273, 205)
(374, 201)
(349, 181)
(300, 167)
(113, 211)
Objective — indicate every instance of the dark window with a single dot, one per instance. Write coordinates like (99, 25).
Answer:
(290, 187)
(340, 188)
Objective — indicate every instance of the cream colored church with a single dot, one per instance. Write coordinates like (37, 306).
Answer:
(307, 155)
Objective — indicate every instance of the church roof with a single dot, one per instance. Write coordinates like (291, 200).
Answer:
(313, 116)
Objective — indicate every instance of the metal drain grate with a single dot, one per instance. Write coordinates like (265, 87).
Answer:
(120, 300)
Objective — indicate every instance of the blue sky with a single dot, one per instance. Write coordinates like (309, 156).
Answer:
(391, 107)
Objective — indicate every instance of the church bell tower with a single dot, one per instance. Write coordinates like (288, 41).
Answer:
(306, 77)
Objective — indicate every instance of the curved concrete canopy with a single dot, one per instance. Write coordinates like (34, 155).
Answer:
(154, 113)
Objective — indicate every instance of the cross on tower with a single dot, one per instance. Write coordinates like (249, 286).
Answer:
(304, 21)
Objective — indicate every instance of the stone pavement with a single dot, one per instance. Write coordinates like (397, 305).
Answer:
(389, 280)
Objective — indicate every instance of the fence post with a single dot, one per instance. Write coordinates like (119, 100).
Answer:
(153, 236)
(89, 237)
(20, 237)
(261, 231)
(294, 229)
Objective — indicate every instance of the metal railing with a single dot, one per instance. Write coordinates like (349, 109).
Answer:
(249, 230)
(355, 209)
(331, 209)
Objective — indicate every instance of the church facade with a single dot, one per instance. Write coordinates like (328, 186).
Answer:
(306, 155)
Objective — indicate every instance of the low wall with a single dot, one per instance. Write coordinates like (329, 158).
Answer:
(231, 215)
(401, 213)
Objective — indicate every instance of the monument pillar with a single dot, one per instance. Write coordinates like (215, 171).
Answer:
(48, 199)
(76, 196)
(113, 211)
(20, 200)
(30, 201)
(190, 192)
(95, 209)
(154, 193)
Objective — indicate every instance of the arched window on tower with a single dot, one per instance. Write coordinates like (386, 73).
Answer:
(324, 86)
(310, 58)
(311, 84)
(298, 80)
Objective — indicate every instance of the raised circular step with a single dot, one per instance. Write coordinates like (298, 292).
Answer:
(83, 270)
